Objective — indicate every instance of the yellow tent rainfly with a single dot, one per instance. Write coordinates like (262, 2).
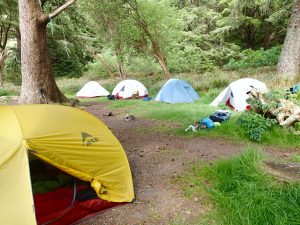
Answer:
(69, 139)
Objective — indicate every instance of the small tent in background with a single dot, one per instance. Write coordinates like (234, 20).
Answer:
(177, 91)
(235, 95)
(71, 140)
(128, 88)
(92, 89)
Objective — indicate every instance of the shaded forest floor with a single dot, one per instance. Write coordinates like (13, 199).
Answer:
(157, 161)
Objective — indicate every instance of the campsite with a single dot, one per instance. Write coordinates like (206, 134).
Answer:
(149, 112)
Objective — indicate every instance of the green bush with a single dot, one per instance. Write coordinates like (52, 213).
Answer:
(143, 65)
(65, 59)
(8, 92)
(255, 125)
(95, 70)
(3, 92)
(297, 126)
(256, 58)
(12, 69)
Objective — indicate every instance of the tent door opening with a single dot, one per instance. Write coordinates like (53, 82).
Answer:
(59, 197)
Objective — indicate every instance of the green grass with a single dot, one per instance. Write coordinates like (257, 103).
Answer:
(242, 193)
(296, 158)
(179, 116)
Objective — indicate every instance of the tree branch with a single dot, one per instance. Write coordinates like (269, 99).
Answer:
(60, 9)
(1, 36)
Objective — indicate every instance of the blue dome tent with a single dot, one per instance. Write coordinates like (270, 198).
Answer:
(177, 91)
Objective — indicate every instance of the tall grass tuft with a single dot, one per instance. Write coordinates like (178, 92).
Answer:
(244, 194)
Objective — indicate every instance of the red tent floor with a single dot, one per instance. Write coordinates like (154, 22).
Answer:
(55, 205)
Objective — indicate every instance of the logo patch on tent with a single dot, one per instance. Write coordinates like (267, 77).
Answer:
(88, 139)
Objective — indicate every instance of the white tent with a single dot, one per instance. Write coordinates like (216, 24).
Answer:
(235, 95)
(92, 89)
(127, 88)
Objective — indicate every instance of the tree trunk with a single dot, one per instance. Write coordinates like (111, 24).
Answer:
(3, 57)
(289, 61)
(156, 49)
(38, 83)
(120, 62)
(162, 63)
(18, 38)
(118, 47)
(268, 36)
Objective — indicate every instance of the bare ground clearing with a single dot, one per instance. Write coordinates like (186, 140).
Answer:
(156, 159)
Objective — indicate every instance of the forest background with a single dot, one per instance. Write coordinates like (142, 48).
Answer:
(122, 38)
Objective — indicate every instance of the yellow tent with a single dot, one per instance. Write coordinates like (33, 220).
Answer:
(68, 138)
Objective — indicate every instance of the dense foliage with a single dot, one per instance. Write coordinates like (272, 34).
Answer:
(255, 58)
(255, 125)
(184, 36)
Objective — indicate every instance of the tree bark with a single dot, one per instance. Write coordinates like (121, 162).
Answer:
(162, 62)
(289, 62)
(38, 83)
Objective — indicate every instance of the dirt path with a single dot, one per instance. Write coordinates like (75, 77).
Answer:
(155, 160)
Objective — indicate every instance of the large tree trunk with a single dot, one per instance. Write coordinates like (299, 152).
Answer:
(3, 56)
(289, 61)
(38, 83)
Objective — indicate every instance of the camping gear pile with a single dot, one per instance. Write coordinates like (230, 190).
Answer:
(76, 144)
(212, 121)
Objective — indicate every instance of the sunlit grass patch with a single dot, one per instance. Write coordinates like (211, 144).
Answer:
(243, 193)
(180, 116)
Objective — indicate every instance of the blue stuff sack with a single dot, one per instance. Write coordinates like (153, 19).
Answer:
(207, 123)
(294, 89)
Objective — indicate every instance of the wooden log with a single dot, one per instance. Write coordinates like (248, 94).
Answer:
(285, 111)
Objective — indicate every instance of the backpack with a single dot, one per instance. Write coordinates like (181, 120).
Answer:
(220, 116)
(110, 97)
